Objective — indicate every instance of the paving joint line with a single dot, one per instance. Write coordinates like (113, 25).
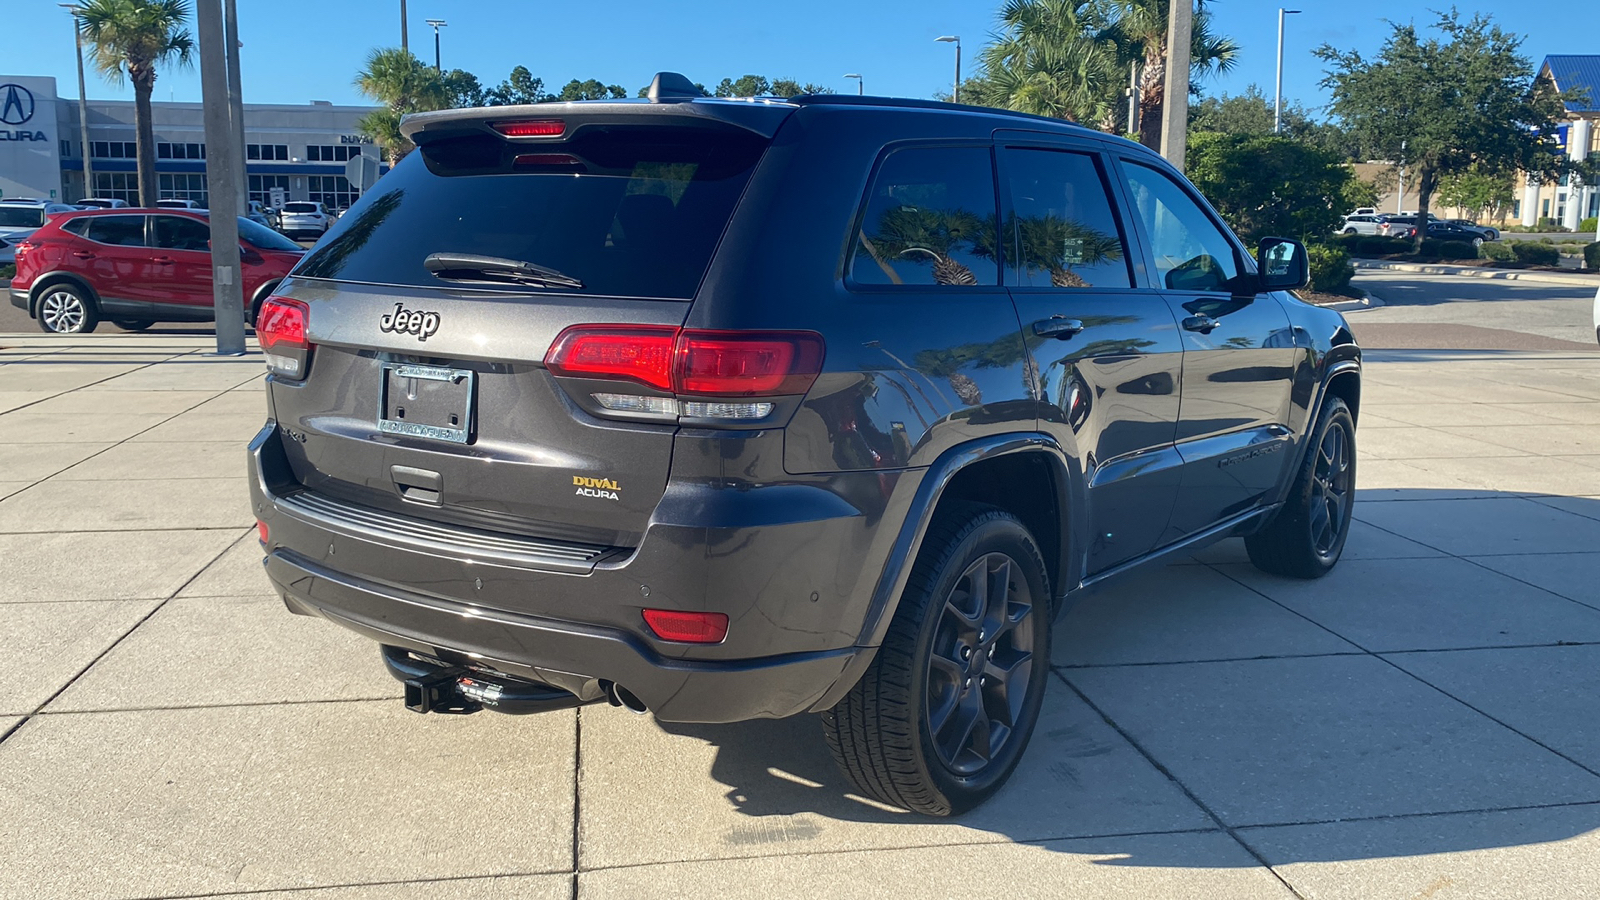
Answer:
(577, 796)
(242, 704)
(1193, 797)
(93, 383)
(1080, 667)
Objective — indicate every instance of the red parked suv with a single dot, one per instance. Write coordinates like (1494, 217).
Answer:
(134, 267)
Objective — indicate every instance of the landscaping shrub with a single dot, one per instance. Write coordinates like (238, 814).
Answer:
(1536, 254)
(1589, 224)
(1457, 250)
(1330, 268)
(1499, 251)
(1591, 256)
(1549, 225)
(1373, 245)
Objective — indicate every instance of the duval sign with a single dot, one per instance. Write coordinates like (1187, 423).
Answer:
(16, 108)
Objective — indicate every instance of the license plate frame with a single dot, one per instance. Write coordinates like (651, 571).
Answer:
(430, 402)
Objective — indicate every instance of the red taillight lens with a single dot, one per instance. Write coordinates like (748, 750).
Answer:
(747, 364)
(688, 627)
(714, 363)
(281, 331)
(531, 128)
(261, 532)
(641, 354)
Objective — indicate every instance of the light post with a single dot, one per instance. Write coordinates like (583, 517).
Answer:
(861, 85)
(1277, 94)
(83, 101)
(436, 23)
(405, 43)
(955, 93)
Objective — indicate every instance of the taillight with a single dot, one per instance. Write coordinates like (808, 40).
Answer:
(690, 363)
(688, 627)
(263, 534)
(531, 128)
(281, 331)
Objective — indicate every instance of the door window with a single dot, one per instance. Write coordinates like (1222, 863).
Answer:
(182, 233)
(930, 220)
(1191, 252)
(121, 231)
(1061, 229)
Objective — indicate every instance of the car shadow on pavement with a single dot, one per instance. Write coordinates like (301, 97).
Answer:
(1362, 724)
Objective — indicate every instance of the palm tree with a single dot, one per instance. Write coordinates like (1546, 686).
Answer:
(1049, 58)
(403, 84)
(129, 39)
(1139, 31)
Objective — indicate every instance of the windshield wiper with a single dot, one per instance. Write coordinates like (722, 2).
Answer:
(495, 270)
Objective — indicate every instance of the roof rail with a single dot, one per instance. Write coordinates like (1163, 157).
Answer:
(912, 103)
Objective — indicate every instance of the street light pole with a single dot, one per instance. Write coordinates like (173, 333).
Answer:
(861, 84)
(1277, 94)
(955, 91)
(404, 43)
(436, 23)
(83, 102)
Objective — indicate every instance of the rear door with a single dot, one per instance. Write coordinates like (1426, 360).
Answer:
(181, 264)
(1239, 351)
(429, 394)
(1106, 354)
(116, 256)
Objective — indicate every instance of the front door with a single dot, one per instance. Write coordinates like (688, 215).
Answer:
(1106, 356)
(1239, 352)
(182, 262)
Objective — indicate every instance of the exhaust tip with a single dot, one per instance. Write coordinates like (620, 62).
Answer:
(621, 696)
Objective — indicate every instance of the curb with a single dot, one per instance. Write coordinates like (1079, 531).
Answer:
(1368, 301)
(1477, 272)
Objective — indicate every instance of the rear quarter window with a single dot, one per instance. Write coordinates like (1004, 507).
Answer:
(930, 219)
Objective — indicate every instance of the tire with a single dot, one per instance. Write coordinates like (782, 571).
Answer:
(1307, 536)
(1349, 231)
(1477, 242)
(133, 324)
(66, 309)
(954, 672)
(1492, 236)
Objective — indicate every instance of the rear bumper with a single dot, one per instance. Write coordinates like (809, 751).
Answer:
(19, 298)
(575, 630)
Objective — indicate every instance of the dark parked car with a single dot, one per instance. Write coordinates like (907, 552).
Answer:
(722, 410)
(136, 267)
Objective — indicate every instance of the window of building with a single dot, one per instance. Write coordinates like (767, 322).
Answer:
(182, 187)
(334, 191)
(1060, 229)
(66, 148)
(279, 152)
(180, 151)
(117, 186)
(331, 152)
(114, 149)
(930, 219)
(261, 187)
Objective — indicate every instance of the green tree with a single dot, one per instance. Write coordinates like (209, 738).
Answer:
(1270, 185)
(1479, 193)
(590, 90)
(402, 84)
(788, 87)
(1139, 30)
(1464, 101)
(1251, 113)
(129, 39)
(519, 88)
(463, 88)
(746, 86)
(1049, 58)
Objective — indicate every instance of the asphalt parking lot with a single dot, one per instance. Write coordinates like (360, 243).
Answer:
(1424, 722)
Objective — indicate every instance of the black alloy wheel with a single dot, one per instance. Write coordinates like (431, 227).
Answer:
(1306, 537)
(1330, 489)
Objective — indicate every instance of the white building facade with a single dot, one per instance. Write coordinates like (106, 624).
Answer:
(302, 149)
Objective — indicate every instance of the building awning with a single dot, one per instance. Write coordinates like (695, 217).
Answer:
(198, 167)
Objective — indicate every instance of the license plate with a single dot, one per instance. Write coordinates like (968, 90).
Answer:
(433, 402)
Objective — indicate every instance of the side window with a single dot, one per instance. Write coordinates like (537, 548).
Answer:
(930, 219)
(182, 233)
(77, 226)
(1191, 253)
(121, 231)
(1060, 228)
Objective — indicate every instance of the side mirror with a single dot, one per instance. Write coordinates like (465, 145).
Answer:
(1283, 264)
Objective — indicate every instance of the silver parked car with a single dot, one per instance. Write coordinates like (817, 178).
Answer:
(1359, 223)
(21, 217)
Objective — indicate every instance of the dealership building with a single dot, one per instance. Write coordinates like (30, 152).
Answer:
(303, 150)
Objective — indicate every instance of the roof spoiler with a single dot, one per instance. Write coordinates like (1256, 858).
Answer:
(667, 87)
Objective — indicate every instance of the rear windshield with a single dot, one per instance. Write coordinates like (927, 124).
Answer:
(299, 207)
(21, 216)
(627, 211)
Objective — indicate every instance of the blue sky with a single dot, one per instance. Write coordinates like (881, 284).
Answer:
(299, 50)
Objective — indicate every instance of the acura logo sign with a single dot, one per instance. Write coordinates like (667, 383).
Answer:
(16, 104)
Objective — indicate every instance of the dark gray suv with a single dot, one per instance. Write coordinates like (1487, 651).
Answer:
(728, 409)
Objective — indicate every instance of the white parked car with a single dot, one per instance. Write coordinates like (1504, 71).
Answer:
(102, 203)
(305, 218)
(1359, 223)
(21, 217)
(170, 203)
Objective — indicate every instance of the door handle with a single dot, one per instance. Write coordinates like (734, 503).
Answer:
(83, 254)
(1202, 324)
(1059, 327)
(161, 260)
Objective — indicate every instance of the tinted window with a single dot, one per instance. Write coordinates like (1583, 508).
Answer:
(1191, 252)
(300, 207)
(76, 226)
(263, 238)
(930, 219)
(182, 233)
(1061, 228)
(633, 212)
(125, 231)
(21, 216)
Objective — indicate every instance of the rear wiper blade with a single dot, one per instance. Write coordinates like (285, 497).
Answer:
(495, 269)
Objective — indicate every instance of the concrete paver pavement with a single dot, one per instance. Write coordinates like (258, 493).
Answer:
(1419, 723)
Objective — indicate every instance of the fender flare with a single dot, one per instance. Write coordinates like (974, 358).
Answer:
(891, 583)
(1340, 359)
(58, 276)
